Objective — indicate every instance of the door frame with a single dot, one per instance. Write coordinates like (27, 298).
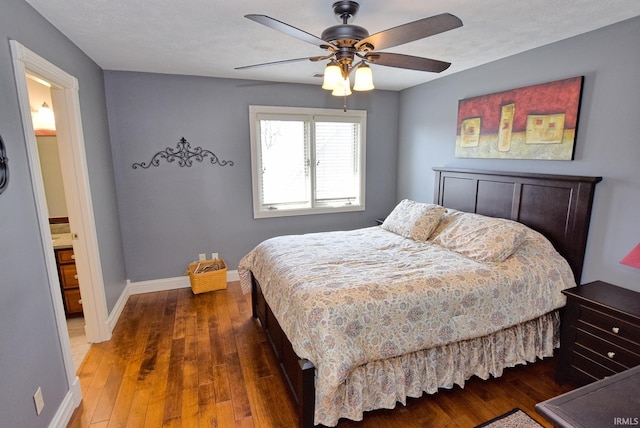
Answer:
(65, 99)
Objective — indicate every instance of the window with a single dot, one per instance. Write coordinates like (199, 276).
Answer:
(306, 161)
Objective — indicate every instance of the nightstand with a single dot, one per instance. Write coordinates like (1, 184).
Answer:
(600, 333)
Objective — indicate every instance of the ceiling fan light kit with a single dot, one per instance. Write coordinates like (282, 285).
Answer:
(343, 89)
(334, 79)
(364, 78)
(332, 76)
(345, 42)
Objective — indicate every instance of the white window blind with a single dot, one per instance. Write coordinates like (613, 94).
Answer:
(337, 161)
(306, 161)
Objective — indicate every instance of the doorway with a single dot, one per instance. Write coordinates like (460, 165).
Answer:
(43, 115)
(64, 96)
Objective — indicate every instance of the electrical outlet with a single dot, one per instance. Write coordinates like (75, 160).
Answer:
(202, 257)
(38, 399)
(214, 256)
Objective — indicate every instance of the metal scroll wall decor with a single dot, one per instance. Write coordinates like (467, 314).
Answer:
(184, 155)
(4, 167)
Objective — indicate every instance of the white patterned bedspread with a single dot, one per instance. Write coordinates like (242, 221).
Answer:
(348, 298)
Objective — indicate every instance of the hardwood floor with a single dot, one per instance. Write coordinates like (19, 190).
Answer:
(182, 360)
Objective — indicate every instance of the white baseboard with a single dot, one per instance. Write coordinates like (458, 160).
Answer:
(169, 283)
(114, 315)
(154, 285)
(69, 403)
(232, 275)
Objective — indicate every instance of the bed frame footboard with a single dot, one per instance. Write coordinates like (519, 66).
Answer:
(298, 372)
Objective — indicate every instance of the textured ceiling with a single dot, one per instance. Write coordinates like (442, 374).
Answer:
(211, 37)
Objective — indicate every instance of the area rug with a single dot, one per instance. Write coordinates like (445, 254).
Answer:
(515, 418)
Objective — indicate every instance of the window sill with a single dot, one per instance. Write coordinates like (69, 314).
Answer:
(307, 211)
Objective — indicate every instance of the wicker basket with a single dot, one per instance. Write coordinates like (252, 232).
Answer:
(208, 275)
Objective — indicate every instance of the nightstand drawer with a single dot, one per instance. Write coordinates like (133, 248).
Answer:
(587, 369)
(606, 353)
(610, 328)
(600, 332)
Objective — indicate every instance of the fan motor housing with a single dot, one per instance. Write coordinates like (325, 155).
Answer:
(344, 34)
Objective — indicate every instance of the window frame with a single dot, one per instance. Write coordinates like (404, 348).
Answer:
(256, 113)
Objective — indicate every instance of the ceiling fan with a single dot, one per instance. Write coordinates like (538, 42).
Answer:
(346, 43)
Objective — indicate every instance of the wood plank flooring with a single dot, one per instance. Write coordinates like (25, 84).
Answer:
(182, 360)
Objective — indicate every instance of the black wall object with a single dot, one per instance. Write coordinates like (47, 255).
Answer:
(4, 167)
(184, 155)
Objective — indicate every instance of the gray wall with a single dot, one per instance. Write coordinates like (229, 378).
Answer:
(607, 141)
(30, 354)
(170, 214)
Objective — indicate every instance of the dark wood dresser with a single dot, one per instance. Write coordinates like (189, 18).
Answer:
(600, 333)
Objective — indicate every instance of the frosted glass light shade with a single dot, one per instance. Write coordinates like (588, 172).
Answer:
(332, 77)
(44, 118)
(364, 78)
(344, 90)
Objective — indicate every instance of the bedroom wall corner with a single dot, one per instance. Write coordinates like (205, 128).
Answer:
(606, 142)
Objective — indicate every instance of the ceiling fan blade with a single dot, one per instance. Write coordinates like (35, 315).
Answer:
(411, 31)
(406, 61)
(284, 61)
(288, 29)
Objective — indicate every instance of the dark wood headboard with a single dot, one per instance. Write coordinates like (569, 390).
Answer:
(558, 206)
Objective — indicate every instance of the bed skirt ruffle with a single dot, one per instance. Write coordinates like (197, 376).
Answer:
(382, 384)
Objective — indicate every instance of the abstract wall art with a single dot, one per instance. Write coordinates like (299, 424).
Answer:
(533, 122)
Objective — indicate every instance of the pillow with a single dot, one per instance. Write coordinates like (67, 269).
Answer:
(480, 238)
(414, 220)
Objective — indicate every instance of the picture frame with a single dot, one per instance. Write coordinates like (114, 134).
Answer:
(532, 122)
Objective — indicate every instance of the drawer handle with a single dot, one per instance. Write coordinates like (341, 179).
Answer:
(611, 354)
(73, 256)
(616, 330)
(75, 276)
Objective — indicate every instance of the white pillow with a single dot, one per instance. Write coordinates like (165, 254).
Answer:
(414, 220)
(478, 237)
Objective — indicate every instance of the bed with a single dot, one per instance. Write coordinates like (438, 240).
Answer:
(360, 320)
